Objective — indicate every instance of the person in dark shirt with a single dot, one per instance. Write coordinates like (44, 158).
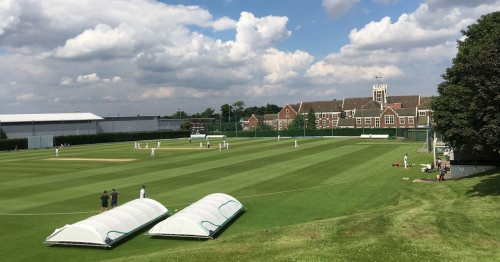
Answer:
(104, 201)
(114, 198)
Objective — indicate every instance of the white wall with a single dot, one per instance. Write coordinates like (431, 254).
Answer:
(458, 171)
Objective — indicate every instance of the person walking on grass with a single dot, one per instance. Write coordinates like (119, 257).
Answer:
(114, 198)
(104, 201)
(152, 151)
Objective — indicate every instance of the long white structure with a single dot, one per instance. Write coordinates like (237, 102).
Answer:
(201, 219)
(111, 226)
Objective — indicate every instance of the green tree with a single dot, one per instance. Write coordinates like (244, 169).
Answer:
(3, 135)
(239, 108)
(225, 108)
(311, 120)
(186, 125)
(467, 110)
(297, 123)
(209, 112)
(180, 115)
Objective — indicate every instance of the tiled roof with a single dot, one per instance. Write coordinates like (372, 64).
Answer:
(346, 122)
(371, 105)
(406, 101)
(245, 118)
(368, 113)
(406, 111)
(424, 102)
(322, 106)
(295, 107)
(270, 116)
(356, 102)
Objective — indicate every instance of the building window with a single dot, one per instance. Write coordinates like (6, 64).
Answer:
(368, 121)
(324, 122)
(379, 96)
(316, 122)
(377, 122)
(334, 122)
(358, 120)
(335, 115)
(323, 115)
(287, 116)
(410, 120)
(287, 110)
(402, 120)
(421, 113)
(389, 119)
(317, 115)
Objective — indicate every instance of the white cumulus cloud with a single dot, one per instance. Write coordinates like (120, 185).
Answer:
(337, 8)
(90, 78)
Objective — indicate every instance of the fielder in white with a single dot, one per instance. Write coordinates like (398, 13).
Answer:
(135, 145)
(152, 151)
(227, 145)
(201, 144)
(224, 143)
(278, 137)
(406, 161)
(147, 146)
(159, 143)
(296, 145)
(57, 152)
(220, 146)
(138, 145)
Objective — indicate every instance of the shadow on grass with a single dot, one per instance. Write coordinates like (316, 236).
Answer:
(488, 186)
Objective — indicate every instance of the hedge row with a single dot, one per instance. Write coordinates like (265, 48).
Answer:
(22, 143)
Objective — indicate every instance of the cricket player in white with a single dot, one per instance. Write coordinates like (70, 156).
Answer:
(135, 145)
(227, 145)
(57, 152)
(201, 144)
(278, 137)
(406, 161)
(147, 146)
(296, 145)
(152, 151)
(138, 145)
(143, 192)
(224, 143)
(159, 143)
(220, 146)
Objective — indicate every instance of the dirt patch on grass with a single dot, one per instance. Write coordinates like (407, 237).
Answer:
(93, 159)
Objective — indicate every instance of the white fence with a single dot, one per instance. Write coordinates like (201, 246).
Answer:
(369, 136)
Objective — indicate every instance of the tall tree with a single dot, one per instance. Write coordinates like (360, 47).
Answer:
(225, 110)
(209, 112)
(467, 110)
(311, 119)
(272, 109)
(3, 135)
(297, 122)
(180, 115)
(238, 107)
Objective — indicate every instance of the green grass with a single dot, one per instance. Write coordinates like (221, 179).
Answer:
(329, 199)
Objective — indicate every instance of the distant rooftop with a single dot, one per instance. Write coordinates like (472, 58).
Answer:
(16, 118)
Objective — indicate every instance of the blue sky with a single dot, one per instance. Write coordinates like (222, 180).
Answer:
(148, 57)
(310, 16)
